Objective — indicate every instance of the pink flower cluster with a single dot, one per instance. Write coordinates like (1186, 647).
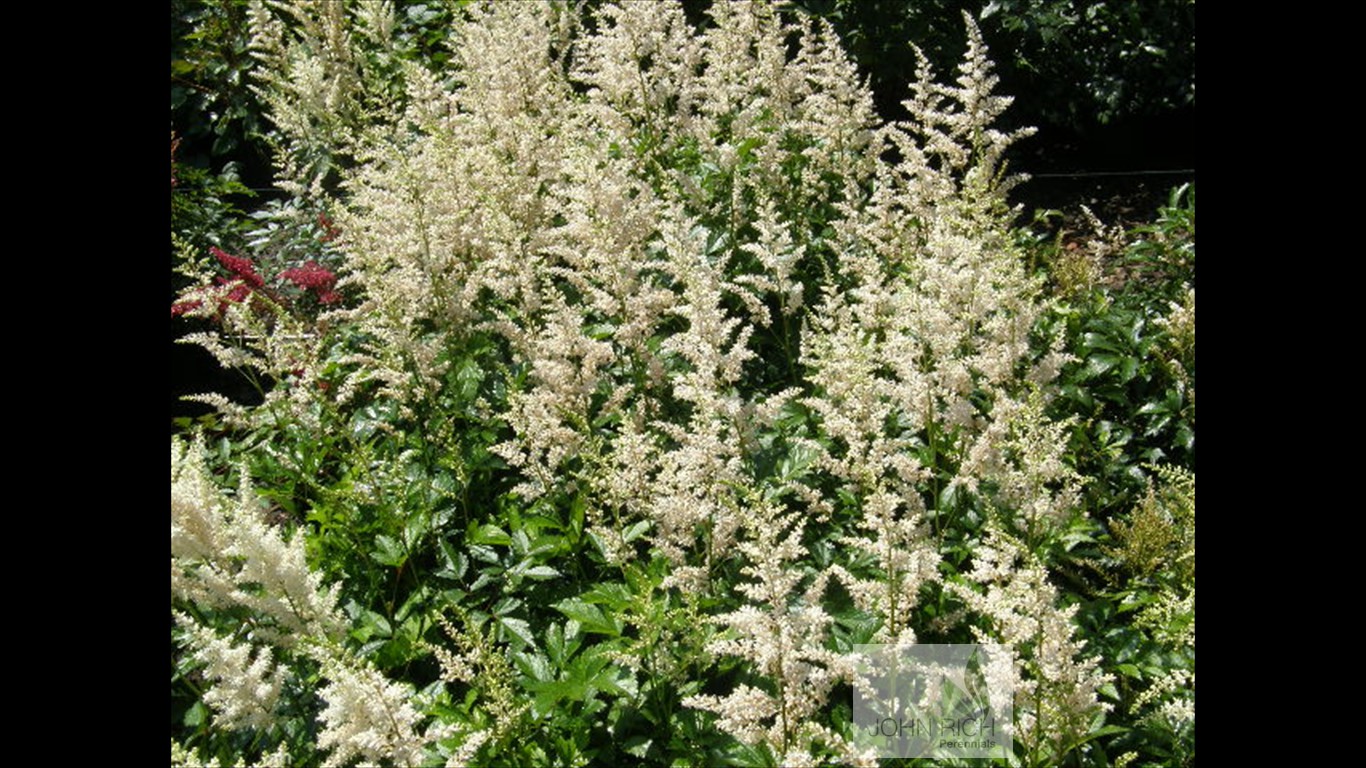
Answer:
(243, 281)
(241, 268)
(314, 277)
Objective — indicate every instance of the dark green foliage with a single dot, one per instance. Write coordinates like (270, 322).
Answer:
(212, 105)
(1069, 64)
(1133, 383)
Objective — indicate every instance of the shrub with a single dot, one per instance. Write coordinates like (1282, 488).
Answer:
(662, 375)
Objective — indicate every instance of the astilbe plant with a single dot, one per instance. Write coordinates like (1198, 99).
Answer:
(661, 294)
(1056, 686)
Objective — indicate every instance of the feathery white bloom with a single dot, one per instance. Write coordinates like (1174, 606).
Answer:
(907, 560)
(367, 716)
(783, 641)
(244, 680)
(223, 554)
(1056, 685)
(468, 749)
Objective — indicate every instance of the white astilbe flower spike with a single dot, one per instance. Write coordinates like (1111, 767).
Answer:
(244, 680)
(1056, 690)
(224, 554)
(462, 756)
(256, 334)
(550, 415)
(1022, 452)
(640, 69)
(835, 107)
(367, 716)
(783, 638)
(907, 560)
(310, 79)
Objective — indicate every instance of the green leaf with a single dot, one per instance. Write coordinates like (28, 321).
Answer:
(1129, 670)
(490, 534)
(468, 380)
(562, 641)
(589, 616)
(368, 421)
(519, 629)
(753, 756)
(797, 461)
(454, 562)
(372, 624)
(388, 551)
(1156, 406)
(1106, 730)
(549, 694)
(1128, 369)
(635, 531)
(520, 542)
(1099, 364)
(578, 509)
(535, 572)
(485, 554)
(196, 715)
(615, 597)
(533, 665)
(638, 745)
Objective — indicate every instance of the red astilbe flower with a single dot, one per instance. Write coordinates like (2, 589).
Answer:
(237, 288)
(241, 268)
(244, 284)
(183, 307)
(314, 277)
(225, 290)
(238, 291)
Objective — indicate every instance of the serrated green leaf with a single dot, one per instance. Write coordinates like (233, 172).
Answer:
(533, 665)
(589, 616)
(548, 543)
(489, 534)
(486, 577)
(554, 644)
(454, 562)
(519, 629)
(378, 624)
(389, 551)
(445, 483)
(541, 573)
